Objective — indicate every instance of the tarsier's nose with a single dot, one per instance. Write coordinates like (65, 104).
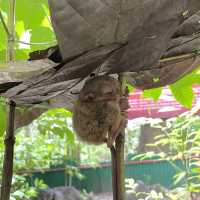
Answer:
(89, 97)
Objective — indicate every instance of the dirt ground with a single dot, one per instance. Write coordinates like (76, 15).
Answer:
(104, 196)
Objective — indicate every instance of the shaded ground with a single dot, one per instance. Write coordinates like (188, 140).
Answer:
(104, 196)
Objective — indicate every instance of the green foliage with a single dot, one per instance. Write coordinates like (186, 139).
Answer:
(156, 192)
(182, 139)
(57, 122)
(33, 26)
(42, 145)
(181, 90)
(21, 189)
(130, 88)
(45, 142)
(153, 93)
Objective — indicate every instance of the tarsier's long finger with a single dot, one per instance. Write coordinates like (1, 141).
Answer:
(124, 105)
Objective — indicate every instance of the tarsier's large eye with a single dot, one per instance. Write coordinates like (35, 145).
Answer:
(108, 91)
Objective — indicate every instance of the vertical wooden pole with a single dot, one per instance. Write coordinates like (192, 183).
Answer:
(9, 138)
(119, 146)
(117, 153)
(9, 153)
(120, 168)
(114, 172)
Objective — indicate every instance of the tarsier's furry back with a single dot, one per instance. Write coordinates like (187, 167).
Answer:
(97, 113)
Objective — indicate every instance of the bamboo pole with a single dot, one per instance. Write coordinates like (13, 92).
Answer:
(11, 29)
(9, 154)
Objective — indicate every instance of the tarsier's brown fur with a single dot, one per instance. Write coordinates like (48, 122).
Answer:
(99, 112)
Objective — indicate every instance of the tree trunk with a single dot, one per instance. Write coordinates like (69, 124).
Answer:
(9, 154)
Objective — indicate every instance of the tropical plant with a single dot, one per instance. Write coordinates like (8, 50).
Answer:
(43, 144)
(137, 191)
(22, 190)
(32, 31)
(181, 138)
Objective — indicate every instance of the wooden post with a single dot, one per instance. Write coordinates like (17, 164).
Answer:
(120, 168)
(9, 154)
(114, 172)
(117, 153)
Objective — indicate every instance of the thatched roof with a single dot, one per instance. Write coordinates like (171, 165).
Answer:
(155, 41)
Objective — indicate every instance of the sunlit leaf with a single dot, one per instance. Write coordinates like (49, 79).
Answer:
(30, 12)
(42, 35)
(153, 93)
(183, 95)
(179, 177)
(130, 88)
(19, 27)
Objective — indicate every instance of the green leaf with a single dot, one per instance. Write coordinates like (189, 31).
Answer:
(22, 54)
(41, 35)
(30, 12)
(130, 88)
(189, 80)
(3, 37)
(184, 95)
(2, 56)
(153, 93)
(179, 177)
(19, 28)
(70, 136)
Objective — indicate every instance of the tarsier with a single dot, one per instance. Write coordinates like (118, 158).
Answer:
(100, 111)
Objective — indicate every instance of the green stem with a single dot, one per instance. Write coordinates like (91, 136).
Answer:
(4, 24)
(11, 30)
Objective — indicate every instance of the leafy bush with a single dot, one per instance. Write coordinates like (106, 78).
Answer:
(21, 189)
(181, 138)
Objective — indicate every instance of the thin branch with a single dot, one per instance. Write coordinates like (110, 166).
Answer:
(4, 24)
(36, 43)
(180, 57)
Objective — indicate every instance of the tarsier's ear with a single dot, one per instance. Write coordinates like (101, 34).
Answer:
(92, 75)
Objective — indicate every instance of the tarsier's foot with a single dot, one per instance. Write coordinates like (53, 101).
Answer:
(106, 140)
(112, 136)
(110, 143)
(115, 131)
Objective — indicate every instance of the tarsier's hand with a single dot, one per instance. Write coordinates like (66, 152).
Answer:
(115, 131)
(124, 105)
